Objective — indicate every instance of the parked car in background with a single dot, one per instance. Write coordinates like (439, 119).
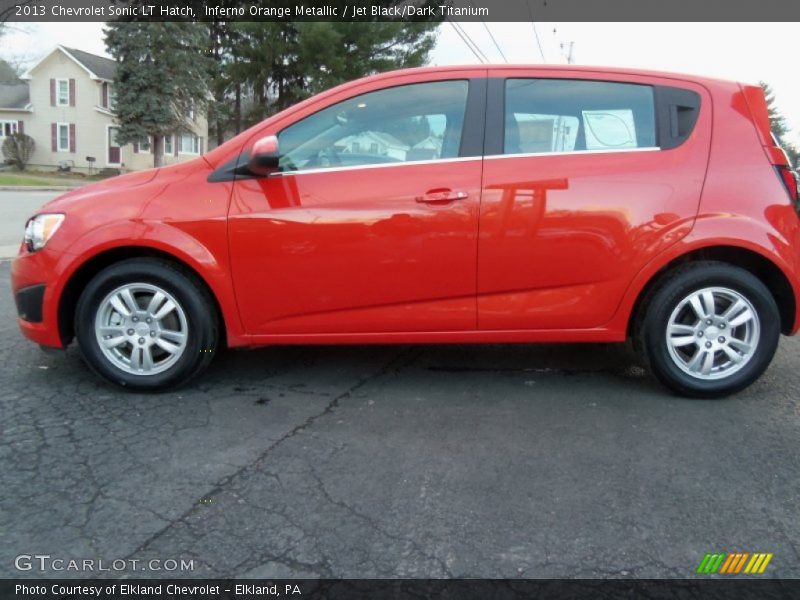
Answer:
(442, 205)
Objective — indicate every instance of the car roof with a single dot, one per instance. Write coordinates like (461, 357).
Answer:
(555, 68)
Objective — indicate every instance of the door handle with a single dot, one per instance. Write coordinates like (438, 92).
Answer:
(441, 196)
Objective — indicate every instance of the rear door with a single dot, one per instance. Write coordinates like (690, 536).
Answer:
(586, 178)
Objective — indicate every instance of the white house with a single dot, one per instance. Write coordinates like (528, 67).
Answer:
(374, 142)
(65, 102)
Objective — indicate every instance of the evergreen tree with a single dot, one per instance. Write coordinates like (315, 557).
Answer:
(280, 63)
(778, 124)
(162, 74)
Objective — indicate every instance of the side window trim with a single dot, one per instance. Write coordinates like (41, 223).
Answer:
(677, 110)
(473, 133)
(495, 116)
(470, 148)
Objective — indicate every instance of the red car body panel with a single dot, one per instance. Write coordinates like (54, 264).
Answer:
(542, 248)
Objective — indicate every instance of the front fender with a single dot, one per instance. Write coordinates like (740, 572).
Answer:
(208, 260)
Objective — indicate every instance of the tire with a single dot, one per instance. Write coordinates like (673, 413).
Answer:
(166, 337)
(724, 351)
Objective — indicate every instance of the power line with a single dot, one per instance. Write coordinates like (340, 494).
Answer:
(469, 42)
(535, 33)
(473, 45)
(496, 45)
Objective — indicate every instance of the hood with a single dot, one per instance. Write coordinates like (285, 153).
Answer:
(64, 202)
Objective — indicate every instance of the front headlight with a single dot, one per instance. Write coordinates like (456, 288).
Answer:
(40, 229)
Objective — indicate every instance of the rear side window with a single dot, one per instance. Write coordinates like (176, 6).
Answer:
(570, 115)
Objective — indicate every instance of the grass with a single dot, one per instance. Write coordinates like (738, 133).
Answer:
(17, 178)
(28, 180)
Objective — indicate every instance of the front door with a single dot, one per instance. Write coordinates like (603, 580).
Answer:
(113, 147)
(371, 224)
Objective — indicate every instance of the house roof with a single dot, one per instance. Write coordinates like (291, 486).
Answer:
(7, 73)
(101, 66)
(14, 95)
(97, 67)
(13, 91)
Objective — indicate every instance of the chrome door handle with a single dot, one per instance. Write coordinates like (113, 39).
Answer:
(441, 196)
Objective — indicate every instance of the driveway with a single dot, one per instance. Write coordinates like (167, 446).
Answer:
(498, 461)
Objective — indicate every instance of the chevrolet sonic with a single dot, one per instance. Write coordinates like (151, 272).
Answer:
(442, 205)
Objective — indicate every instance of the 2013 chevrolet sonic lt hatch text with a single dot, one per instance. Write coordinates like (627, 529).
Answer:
(442, 205)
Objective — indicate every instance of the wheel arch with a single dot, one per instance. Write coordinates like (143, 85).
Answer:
(81, 276)
(770, 274)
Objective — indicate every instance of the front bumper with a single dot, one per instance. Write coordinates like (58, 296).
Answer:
(29, 301)
(34, 282)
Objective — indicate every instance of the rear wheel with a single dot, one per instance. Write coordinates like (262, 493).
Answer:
(146, 324)
(709, 330)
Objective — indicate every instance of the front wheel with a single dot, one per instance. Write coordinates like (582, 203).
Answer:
(146, 324)
(709, 330)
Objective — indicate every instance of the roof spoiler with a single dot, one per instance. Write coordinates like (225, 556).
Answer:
(757, 105)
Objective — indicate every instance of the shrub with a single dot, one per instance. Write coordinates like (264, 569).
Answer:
(18, 148)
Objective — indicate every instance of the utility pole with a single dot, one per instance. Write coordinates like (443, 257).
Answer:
(568, 54)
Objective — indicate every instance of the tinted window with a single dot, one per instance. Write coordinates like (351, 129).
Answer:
(408, 123)
(566, 115)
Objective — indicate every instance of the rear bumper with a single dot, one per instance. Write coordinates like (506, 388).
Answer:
(33, 282)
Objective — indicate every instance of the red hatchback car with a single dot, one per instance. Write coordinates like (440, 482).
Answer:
(442, 205)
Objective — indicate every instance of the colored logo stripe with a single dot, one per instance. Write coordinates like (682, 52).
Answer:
(758, 563)
(710, 563)
(734, 562)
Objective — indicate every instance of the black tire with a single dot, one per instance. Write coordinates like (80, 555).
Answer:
(651, 337)
(193, 299)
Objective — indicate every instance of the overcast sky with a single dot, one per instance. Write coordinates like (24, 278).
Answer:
(742, 51)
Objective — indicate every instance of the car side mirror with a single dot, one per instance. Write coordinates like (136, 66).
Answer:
(264, 156)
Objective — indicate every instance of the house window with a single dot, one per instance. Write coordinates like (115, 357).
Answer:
(107, 98)
(143, 146)
(168, 147)
(62, 92)
(189, 144)
(63, 137)
(189, 114)
(7, 128)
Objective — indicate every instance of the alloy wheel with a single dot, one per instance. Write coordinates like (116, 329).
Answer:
(141, 329)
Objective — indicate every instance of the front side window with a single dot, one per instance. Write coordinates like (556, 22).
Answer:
(143, 147)
(62, 92)
(168, 148)
(416, 122)
(570, 115)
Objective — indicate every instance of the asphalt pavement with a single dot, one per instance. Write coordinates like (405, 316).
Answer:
(405, 461)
